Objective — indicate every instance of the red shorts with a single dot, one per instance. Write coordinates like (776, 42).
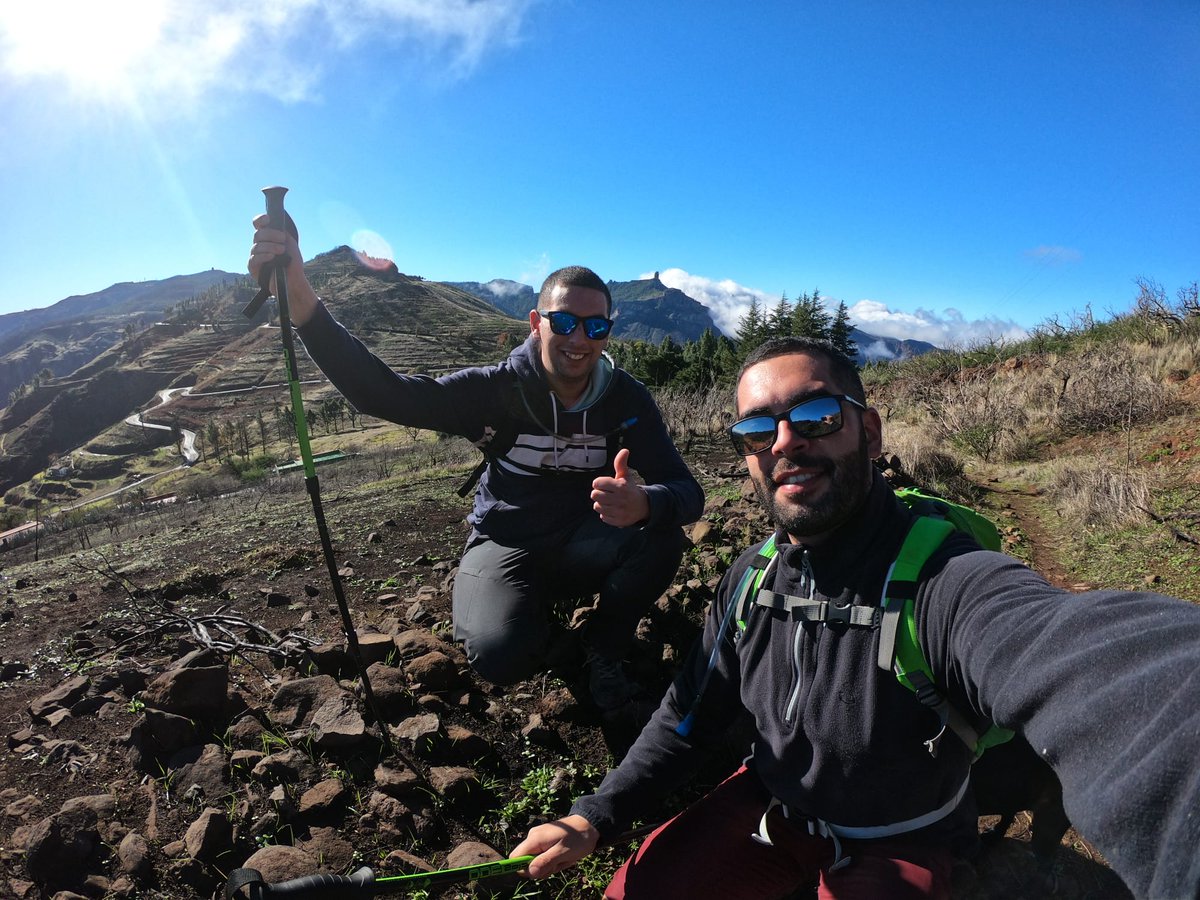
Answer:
(707, 851)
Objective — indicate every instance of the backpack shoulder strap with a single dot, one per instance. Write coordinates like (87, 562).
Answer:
(752, 580)
(899, 647)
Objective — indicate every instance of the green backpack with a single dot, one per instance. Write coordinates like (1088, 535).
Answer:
(899, 649)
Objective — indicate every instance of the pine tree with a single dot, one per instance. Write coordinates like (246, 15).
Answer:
(810, 318)
(779, 322)
(751, 328)
(212, 433)
(727, 361)
(664, 363)
(839, 332)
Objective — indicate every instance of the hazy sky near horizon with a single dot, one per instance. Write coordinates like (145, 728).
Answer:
(951, 171)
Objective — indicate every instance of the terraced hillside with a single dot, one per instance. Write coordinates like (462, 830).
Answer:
(414, 326)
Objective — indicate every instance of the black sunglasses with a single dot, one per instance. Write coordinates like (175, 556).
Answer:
(595, 327)
(811, 419)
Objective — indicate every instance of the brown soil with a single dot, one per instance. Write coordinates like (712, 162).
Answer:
(85, 606)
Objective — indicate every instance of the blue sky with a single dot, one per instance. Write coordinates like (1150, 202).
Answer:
(948, 170)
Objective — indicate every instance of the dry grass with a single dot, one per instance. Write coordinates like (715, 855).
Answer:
(1095, 496)
(1176, 360)
(691, 414)
(1111, 386)
(1004, 413)
(924, 459)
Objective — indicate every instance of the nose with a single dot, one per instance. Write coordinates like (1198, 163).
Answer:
(786, 439)
(578, 338)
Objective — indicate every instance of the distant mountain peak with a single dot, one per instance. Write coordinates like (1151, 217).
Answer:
(347, 256)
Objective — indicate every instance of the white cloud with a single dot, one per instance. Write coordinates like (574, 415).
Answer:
(504, 288)
(728, 301)
(168, 52)
(945, 329)
(878, 351)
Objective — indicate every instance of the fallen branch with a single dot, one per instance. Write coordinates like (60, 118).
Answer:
(1179, 535)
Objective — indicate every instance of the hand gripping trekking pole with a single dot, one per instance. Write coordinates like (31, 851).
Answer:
(281, 220)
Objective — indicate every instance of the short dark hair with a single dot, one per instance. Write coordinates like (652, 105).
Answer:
(841, 367)
(575, 276)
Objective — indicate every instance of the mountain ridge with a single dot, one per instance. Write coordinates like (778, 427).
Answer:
(80, 377)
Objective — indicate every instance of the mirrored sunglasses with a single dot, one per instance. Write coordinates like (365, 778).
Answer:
(811, 419)
(595, 327)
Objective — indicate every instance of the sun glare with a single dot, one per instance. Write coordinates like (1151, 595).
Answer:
(95, 47)
(373, 249)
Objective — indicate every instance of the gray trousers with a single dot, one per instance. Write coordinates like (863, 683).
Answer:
(504, 596)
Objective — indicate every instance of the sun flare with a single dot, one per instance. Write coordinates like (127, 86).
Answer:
(94, 47)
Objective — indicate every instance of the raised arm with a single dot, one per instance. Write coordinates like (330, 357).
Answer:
(1103, 685)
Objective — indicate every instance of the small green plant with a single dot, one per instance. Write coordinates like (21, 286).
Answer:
(166, 778)
(135, 705)
(273, 743)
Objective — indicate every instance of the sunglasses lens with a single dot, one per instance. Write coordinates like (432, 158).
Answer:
(751, 436)
(816, 418)
(596, 327)
(562, 322)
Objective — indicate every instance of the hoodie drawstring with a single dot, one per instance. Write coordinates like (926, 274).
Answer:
(554, 434)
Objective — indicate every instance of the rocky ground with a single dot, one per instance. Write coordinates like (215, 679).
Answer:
(178, 702)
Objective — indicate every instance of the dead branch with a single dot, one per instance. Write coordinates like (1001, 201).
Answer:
(1179, 535)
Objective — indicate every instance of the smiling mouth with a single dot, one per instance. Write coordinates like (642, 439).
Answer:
(798, 477)
(574, 356)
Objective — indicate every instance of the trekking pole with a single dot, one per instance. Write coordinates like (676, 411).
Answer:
(362, 883)
(282, 221)
(248, 884)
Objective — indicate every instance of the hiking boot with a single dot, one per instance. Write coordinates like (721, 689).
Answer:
(609, 687)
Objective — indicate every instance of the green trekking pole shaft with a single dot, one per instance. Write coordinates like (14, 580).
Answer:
(279, 219)
(363, 883)
(249, 884)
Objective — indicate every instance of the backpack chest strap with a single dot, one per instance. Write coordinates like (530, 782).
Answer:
(812, 610)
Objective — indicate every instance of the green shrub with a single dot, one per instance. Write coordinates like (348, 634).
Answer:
(252, 468)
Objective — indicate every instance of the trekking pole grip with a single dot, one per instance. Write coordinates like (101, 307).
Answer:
(310, 887)
(278, 218)
(275, 212)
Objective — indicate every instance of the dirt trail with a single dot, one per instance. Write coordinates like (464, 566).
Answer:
(1021, 505)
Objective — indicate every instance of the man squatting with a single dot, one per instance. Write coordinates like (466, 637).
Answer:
(557, 514)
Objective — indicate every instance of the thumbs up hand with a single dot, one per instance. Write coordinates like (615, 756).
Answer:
(620, 500)
(621, 465)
